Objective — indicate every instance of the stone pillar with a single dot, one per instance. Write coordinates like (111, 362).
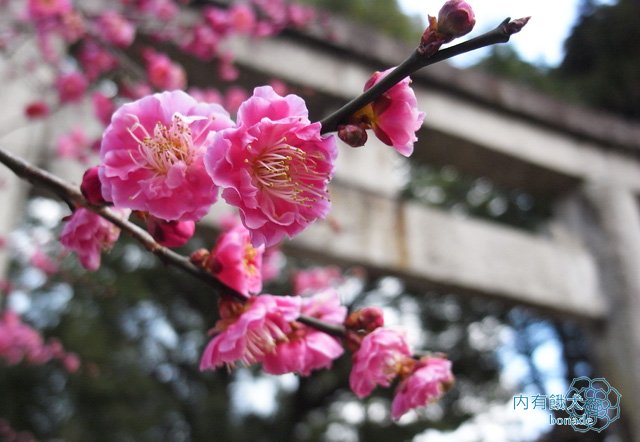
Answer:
(606, 217)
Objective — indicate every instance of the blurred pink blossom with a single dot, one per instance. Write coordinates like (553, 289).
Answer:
(88, 234)
(116, 29)
(71, 86)
(103, 107)
(163, 73)
(379, 360)
(430, 379)
(74, 145)
(315, 279)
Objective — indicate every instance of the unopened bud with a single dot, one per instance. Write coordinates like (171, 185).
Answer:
(170, 233)
(455, 19)
(516, 25)
(199, 258)
(366, 319)
(353, 135)
(91, 187)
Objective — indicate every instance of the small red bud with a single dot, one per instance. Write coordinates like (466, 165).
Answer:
(37, 109)
(170, 233)
(455, 19)
(353, 135)
(91, 187)
(199, 258)
(366, 319)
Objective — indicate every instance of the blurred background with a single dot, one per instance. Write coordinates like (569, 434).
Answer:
(510, 242)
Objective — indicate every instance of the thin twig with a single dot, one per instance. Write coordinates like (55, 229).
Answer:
(41, 178)
(415, 62)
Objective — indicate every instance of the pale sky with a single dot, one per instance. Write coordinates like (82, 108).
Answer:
(539, 42)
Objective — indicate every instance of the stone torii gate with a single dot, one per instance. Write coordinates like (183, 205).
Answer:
(587, 263)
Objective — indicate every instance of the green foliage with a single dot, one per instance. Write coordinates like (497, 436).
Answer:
(382, 15)
(601, 63)
(600, 68)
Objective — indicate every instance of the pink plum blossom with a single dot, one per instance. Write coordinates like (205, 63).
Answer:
(71, 86)
(20, 342)
(74, 145)
(203, 42)
(315, 279)
(152, 156)
(242, 19)
(226, 69)
(95, 60)
(103, 107)
(236, 262)
(40, 9)
(42, 261)
(73, 27)
(115, 29)
(394, 116)
(163, 73)
(247, 332)
(88, 235)
(431, 378)
(378, 361)
(275, 166)
(306, 348)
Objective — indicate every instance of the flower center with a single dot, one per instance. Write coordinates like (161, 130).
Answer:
(289, 173)
(249, 260)
(166, 146)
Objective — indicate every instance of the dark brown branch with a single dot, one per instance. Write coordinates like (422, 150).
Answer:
(417, 61)
(70, 194)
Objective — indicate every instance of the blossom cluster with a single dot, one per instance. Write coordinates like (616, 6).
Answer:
(19, 341)
(169, 152)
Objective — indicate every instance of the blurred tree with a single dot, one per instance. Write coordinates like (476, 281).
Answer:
(600, 67)
(601, 61)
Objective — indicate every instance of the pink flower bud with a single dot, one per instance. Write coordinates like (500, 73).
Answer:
(455, 19)
(353, 135)
(91, 187)
(170, 233)
(366, 319)
(200, 258)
